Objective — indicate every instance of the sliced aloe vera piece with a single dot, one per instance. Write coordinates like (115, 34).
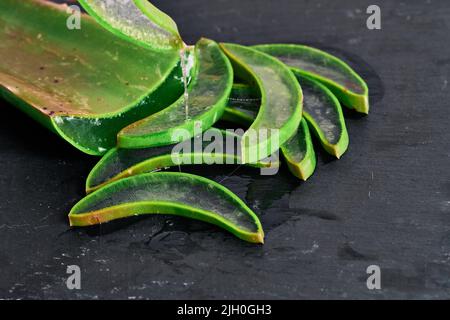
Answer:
(204, 104)
(281, 101)
(86, 84)
(324, 114)
(321, 109)
(298, 150)
(122, 163)
(169, 193)
(136, 20)
(334, 73)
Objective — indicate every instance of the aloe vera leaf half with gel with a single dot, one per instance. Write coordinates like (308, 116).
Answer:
(203, 105)
(173, 194)
(321, 109)
(324, 114)
(122, 163)
(329, 70)
(298, 151)
(281, 101)
(85, 85)
(136, 20)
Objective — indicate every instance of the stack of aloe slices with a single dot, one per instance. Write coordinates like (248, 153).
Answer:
(117, 91)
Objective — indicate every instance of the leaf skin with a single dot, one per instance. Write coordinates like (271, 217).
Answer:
(207, 97)
(122, 163)
(137, 21)
(85, 85)
(325, 68)
(298, 151)
(173, 194)
(281, 100)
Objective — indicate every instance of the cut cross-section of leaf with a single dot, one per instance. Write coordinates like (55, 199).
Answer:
(334, 73)
(281, 101)
(197, 111)
(321, 109)
(218, 147)
(136, 20)
(86, 84)
(298, 151)
(173, 194)
(324, 114)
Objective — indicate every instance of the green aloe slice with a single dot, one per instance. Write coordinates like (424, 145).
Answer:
(86, 84)
(204, 104)
(324, 114)
(321, 109)
(136, 20)
(298, 151)
(281, 101)
(169, 193)
(334, 73)
(122, 163)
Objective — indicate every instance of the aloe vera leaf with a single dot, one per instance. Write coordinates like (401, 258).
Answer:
(298, 151)
(281, 101)
(169, 193)
(321, 108)
(122, 163)
(325, 68)
(136, 20)
(86, 84)
(206, 100)
(324, 114)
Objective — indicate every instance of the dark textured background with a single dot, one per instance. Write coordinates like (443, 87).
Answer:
(387, 202)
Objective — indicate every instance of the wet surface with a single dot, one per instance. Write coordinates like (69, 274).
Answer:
(385, 203)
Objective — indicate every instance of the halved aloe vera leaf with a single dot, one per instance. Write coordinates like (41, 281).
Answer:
(324, 114)
(298, 151)
(122, 163)
(281, 101)
(321, 109)
(206, 99)
(86, 84)
(136, 20)
(334, 73)
(169, 193)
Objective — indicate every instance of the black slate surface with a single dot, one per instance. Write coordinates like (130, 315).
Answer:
(386, 202)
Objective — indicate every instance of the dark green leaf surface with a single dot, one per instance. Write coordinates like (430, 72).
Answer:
(84, 84)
